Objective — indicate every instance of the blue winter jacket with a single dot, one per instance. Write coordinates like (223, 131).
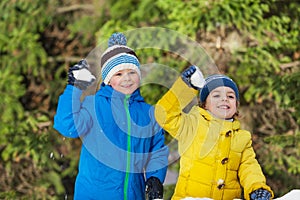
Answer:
(122, 144)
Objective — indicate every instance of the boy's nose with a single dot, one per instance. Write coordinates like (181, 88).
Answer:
(127, 76)
(224, 98)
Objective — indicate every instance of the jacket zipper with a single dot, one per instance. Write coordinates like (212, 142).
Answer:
(128, 147)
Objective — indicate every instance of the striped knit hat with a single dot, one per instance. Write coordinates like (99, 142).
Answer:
(118, 57)
(217, 80)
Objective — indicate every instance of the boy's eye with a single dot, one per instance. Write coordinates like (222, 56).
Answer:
(118, 74)
(231, 96)
(132, 72)
(216, 95)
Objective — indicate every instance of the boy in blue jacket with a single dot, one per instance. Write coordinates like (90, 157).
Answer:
(123, 155)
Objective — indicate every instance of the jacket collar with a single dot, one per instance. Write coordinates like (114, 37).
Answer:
(235, 124)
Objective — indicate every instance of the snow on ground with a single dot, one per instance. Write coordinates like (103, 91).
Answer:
(292, 195)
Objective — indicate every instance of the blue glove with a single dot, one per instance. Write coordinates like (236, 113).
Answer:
(154, 188)
(80, 76)
(260, 194)
(193, 77)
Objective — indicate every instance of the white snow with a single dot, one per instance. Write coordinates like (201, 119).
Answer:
(292, 195)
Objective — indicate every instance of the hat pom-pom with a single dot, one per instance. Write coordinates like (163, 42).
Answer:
(117, 39)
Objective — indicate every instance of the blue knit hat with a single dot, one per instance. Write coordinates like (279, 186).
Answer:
(217, 80)
(118, 57)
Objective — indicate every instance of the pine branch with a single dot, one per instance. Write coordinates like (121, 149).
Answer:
(75, 7)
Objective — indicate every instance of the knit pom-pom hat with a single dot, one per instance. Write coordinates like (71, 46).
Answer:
(118, 57)
(217, 80)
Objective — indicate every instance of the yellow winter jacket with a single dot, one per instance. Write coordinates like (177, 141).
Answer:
(217, 159)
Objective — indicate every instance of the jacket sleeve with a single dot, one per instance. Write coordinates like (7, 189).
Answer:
(158, 158)
(169, 109)
(157, 163)
(250, 172)
(71, 119)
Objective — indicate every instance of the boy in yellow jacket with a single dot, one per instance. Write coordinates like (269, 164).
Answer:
(217, 159)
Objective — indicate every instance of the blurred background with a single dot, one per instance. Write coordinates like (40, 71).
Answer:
(254, 42)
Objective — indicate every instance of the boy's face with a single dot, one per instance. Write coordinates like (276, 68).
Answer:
(222, 102)
(125, 81)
